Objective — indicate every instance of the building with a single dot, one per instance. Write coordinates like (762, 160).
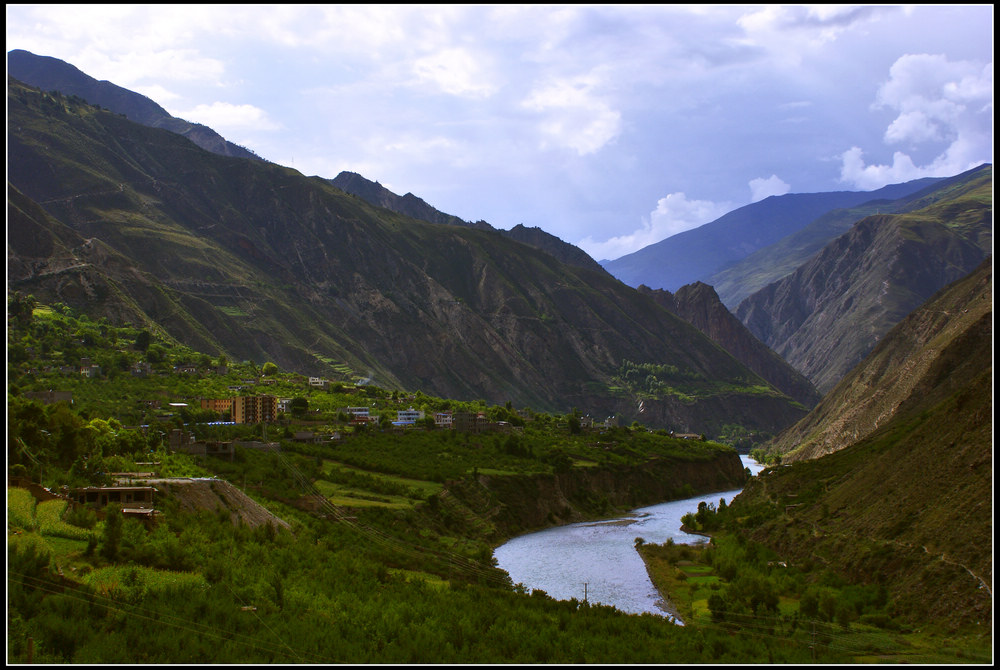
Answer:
(443, 420)
(255, 409)
(469, 422)
(217, 404)
(126, 496)
(319, 382)
(409, 415)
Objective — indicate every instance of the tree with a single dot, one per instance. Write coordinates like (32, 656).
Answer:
(143, 340)
(112, 535)
(269, 369)
(298, 406)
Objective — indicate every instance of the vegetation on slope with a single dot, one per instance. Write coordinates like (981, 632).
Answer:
(381, 567)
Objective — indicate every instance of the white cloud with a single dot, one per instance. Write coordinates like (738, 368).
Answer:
(224, 117)
(456, 72)
(941, 104)
(673, 214)
(573, 116)
(762, 188)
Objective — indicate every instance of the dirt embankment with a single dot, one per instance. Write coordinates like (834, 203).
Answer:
(213, 494)
(517, 504)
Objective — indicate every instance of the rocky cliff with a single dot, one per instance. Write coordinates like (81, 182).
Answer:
(831, 312)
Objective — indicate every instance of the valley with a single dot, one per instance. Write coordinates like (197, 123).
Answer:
(260, 417)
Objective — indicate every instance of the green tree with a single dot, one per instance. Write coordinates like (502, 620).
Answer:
(269, 369)
(143, 340)
(112, 536)
(298, 406)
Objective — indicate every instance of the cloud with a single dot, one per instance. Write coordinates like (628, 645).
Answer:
(943, 105)
(763, 188)
(454, 71)
(673, 214)
(224, 117)
(573, 116)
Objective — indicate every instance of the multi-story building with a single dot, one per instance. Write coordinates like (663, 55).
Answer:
(409, 415)
(217, 404)
(255, 409)
(443, 420)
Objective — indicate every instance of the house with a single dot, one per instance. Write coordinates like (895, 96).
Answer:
(409, 415)
(178, 439)
(129, 497)
(469, 422)
(443, 420)
(319, 382)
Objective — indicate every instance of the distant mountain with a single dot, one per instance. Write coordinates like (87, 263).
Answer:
(52, 74)
(410, 205)
(896, 489)
(256, 261)
(696, 255)
(699, 305)
(831, 312)
(743, 278)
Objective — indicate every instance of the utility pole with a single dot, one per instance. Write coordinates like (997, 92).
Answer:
(585, 592)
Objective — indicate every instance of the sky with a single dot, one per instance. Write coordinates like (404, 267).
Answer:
(610, 126)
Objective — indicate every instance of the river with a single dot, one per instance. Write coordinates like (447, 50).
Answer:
(597, 560)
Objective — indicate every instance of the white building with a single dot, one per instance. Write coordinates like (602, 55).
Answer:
(409, 415)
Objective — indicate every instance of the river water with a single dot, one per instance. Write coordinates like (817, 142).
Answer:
(597, 560)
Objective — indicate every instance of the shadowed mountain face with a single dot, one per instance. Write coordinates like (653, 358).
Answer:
(254, 260)
(699, 305)
(923, 359)
(830, 313)
(895, 466)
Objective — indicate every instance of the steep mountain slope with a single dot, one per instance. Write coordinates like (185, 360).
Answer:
(826, 316)
(266, 264)
(374, 193)
(52, 74)
(699, 305)
(744, 278)
(927, 353)
(906, 504)
(697, 254)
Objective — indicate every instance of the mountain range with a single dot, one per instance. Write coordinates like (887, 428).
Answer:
(249, 258)
(700, 253)
(828, 314)
(830, 305)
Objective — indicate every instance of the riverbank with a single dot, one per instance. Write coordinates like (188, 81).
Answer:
(665, 566)
(511, 505)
